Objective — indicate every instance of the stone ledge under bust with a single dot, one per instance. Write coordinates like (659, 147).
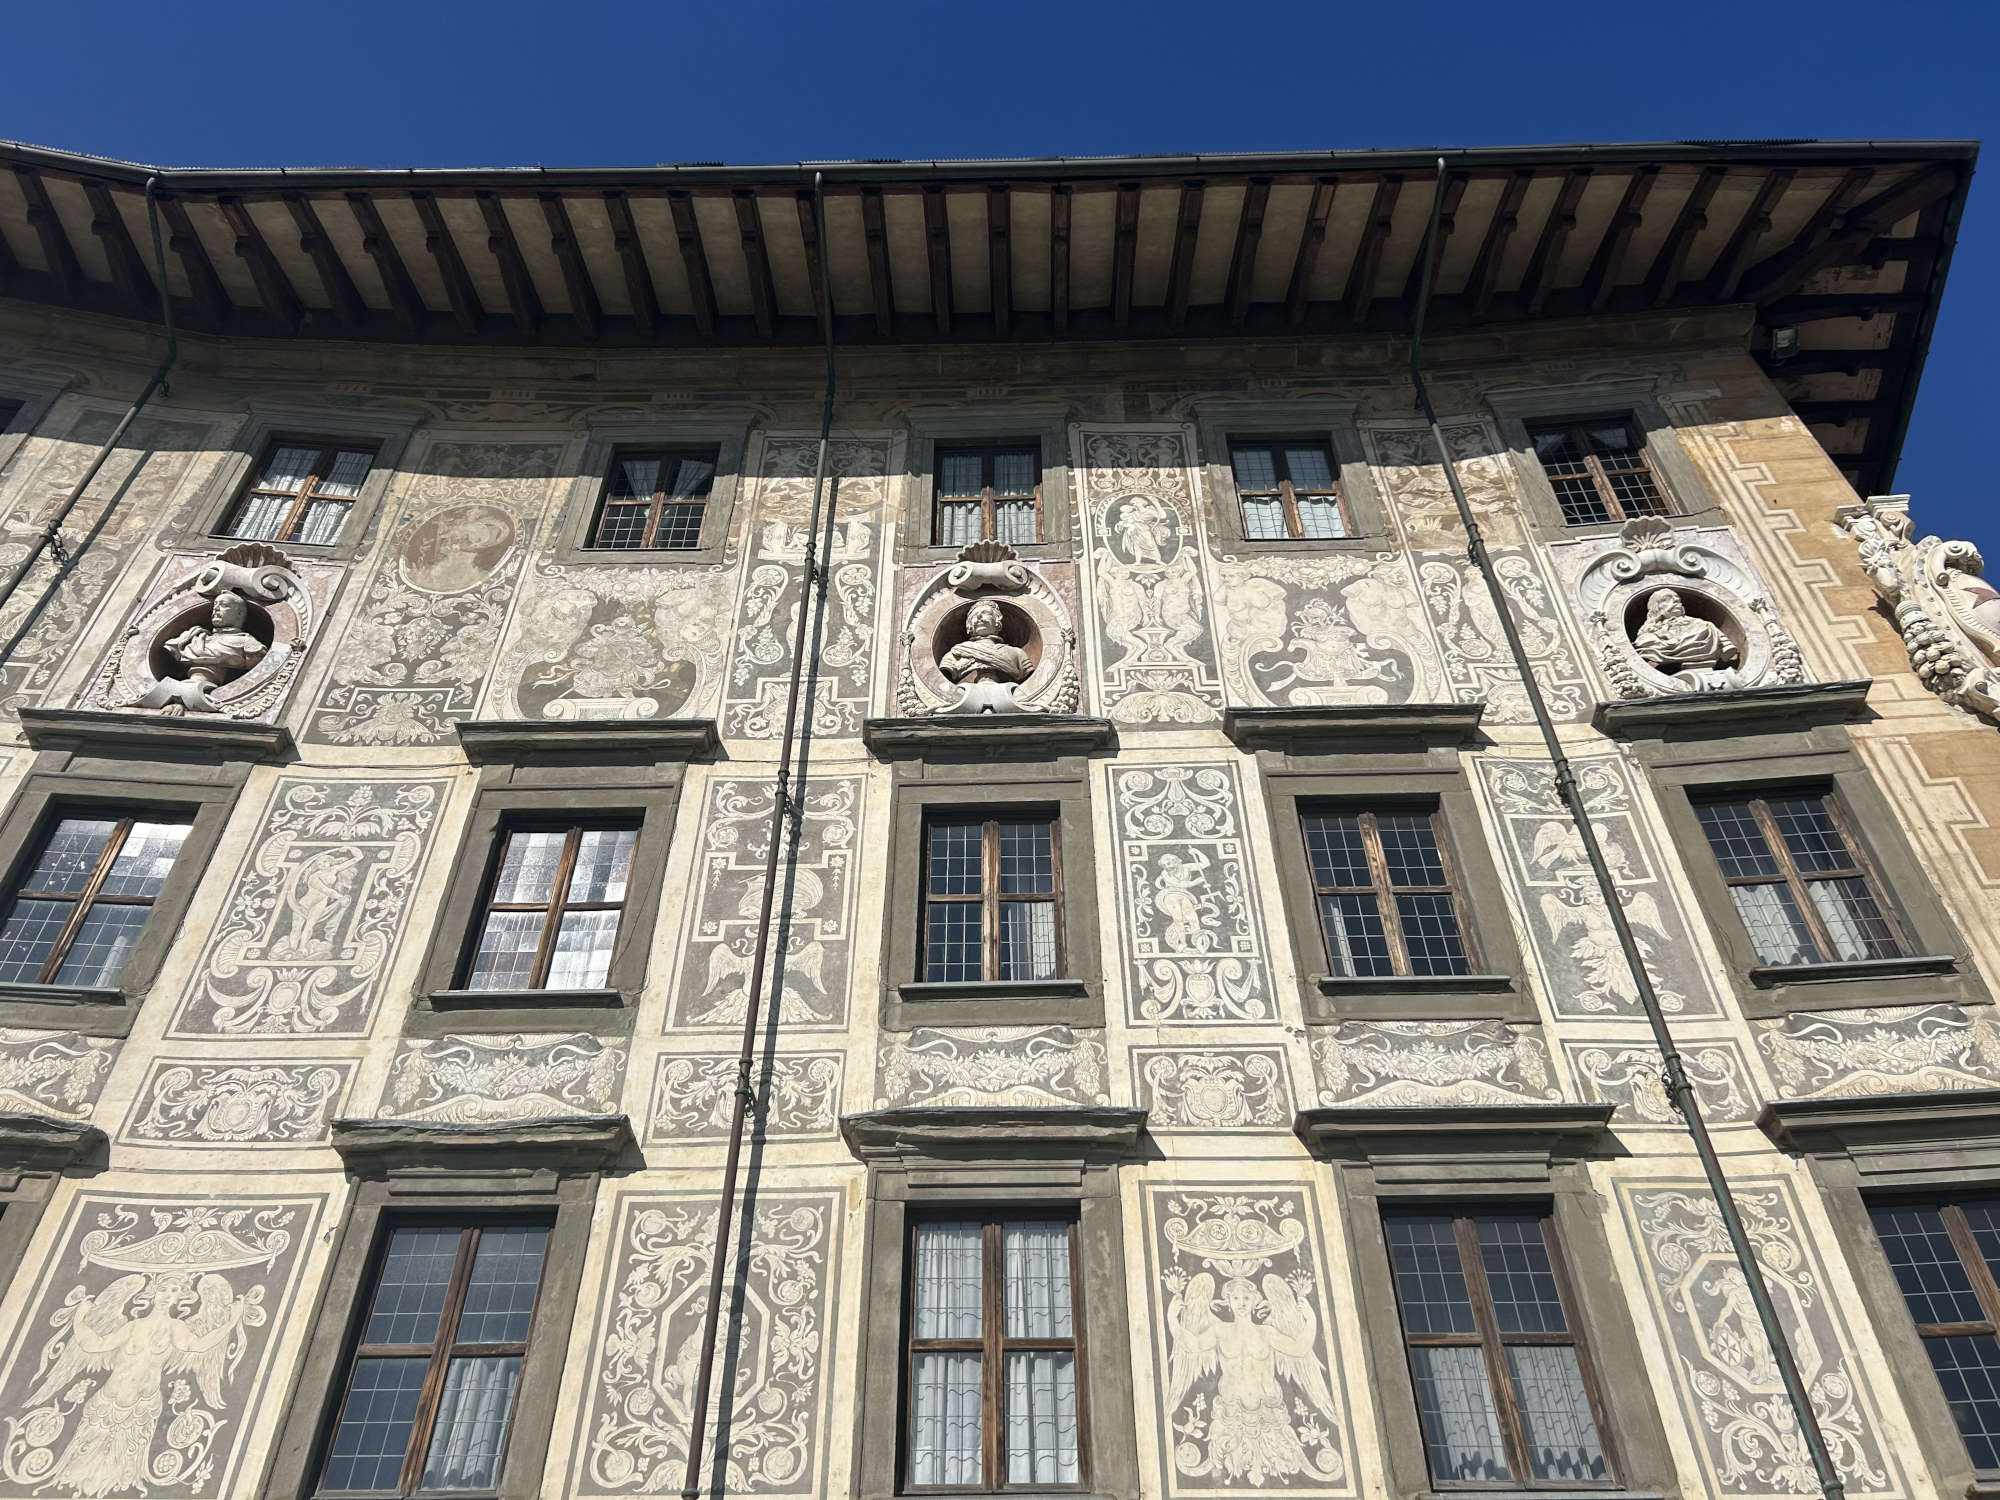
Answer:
(564, 1144)
(1733, 711)
(103, 731)
(982, 736)
(1351, 726)
(513, 741)
(994, 1132)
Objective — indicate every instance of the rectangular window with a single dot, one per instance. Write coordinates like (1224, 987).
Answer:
(553, 908)
(989, 494)
(302, 493)
(1504, 1391)
(992, 1389)
(432, 1376)
(655, 500)
(992, 899)
(1288, 490)
(78, 911)
(1387, 901)
(1598, 469)
(1798, 880)
(1945, 1256)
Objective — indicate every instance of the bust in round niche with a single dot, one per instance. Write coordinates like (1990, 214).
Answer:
(988, 635)
(984, 661)
(1682, 644)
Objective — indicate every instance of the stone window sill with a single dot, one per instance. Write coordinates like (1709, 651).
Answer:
(993, 1002)
(601, 1012)
(993, 989)
(1766, 976)
(1512, 1494)
(1406, 997)
(1416, 984)
(92, 1010)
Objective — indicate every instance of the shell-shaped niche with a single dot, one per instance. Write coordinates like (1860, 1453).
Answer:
(989, 633)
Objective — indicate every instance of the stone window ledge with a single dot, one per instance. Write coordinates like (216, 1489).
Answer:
(980, 736)
(96, 731)
(993, 989)
(1875, 1128)
(1336, 727)
(67, 1007)
(1340, 985)
(42, 1143)
(567, 1144)
(1734, 712)
(994, 1132)
(994, 1002)
(1477, 1136)
(517, 742)
(1769, 976)
(601, 1012)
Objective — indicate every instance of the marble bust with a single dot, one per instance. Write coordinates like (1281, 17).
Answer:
(984, 664)
(1675, 642)
(213, 654)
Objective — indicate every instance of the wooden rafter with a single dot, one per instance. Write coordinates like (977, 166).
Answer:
(134, 280)
(632, 262)
(756, 262)
(1814, 307)
(881, 289)
(1847, 232)
(523, 301)
(1540, 277)
(815, 255)
(1368, 256)
(1243, 258)
(1663, 278)
(274, 289)
(1752, 227)
(583, 303)
(1298, 294)
(1000, 253)
(1831, 362)
(327, 264)
(1601, 280)
(1454, 193)
(1059, 206)
(56, 248)
(404, 300)
(458, 287)
(203, 283)
(694, 260)
(1841, 413)
(1124, 253)
(937, 245)
(1500, 230)
(10, 263)
(1187, 233)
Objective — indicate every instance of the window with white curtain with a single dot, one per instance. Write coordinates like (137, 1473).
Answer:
(1504, 1388)
(992, 1385)
(430, 1384)
(553, 907)
(302, 492)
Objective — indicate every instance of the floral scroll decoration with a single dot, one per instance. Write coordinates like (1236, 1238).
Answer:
(1213, 1088)
(1631, 1078)
(1883, 1050)
(1414, 1063)
(694, 1097)
(479, 1080)
(961, 1066)
(639, 1408)
(55, 1073)
(259, 1103)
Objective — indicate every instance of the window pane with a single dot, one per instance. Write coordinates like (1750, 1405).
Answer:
(958, 524)
(1558, 451)
(70, 855)
(1320, 519)
(344, 477)
(1356, 943)
(1041, 1418)
(952, 942)
(322, 521)
(635, 478)
(528, 868)
(621, 526)
(31, 932)
(945, 1284)
(500, 1296)
(960, 474)
(1556, 1422)
(1522, 1281)
(1014, 522)
(1933, 1280)
(692, 479)
(1739, 844)
(1036, 1256)
(1309, 468)
(680, 527)
(954, 859)
(1777, 930)
(1429, 1278)
(582, 960)
(1409, 849)
(375, 1420)
(471, 1430)
(1430, 933)
(1461, 1429)
(1984, 1220)
(1637, 493)
(103, 941)
(1610, 440)
(1027, 860)
(1334, 847)
(507, 948)
(1810, 834)
(1581, 504)
(603, 862)
(1027, 940)
(1264, 520)
(416, 1271)
(945, 1400)
(288, 469)
(262, 517)
(1852, 918)
(1255, 469)
(144, 860)
(1968, 1368)
(1015, 473)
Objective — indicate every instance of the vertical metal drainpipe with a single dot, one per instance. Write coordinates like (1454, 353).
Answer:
(47, 537)
(1679, 1090)
(786, 803)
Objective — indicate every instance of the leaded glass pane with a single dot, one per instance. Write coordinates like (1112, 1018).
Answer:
(1027, 940)
(1041, 1418)
(635, 478)
(952, 947)
(1518, 1273)
(1255, 468)
(471, 1430)
(409, 1296)
(1777, 929)
(582, 957)
(262, 517)
(622, 526)
(1852, 918)
(946, 1395)
(1014, 473)
(144, 860)
(1027, 859)
(1264, 520)
(1356, 942)
(508, 943)
(1461, 1427)
(1983, 1217)
(1430, 1278)
(1014, 522)
(288, 469)
(955, 859)
(321, 523)
(1968, 1369)
(1932, 1278)
(1410, 849)
(29, 937)
(70, 856)
(945, 1284)
(375, 1421)
(345, 475)
(1035, 1255)
(528, 867)
(1739, 843)
(692, 478)
(103, 941)
(1309, 468)
(958, 523)
(500, 1293)
(1810, 834)
(1431, 934)
(1335, 848)
(960, 475)
(679, 529)
(603, 862)
(1320, 519)
(1556, 1422)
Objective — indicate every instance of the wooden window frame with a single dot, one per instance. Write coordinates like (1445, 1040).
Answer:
(93, 887)
(556, 907)
(1951, 1210)
(1488, 1338)
(1287, 493)
(989, 897)
(308, 491)
(440, 1351)
(1758, 801)
(1384, 889)
(1576, 429)
(661, 497)
(986, 454)
(993, 1345)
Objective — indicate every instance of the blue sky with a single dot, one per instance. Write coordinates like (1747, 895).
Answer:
(515, 82)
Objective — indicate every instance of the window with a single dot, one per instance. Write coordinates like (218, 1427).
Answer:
(431, 1381)
(1504, 1391)
(1598, 469)
(989, 494)
(1945, 1257)
(992, 907)
(993, 1314)
(1387, 902)
(303, 493)
(553, 908)
(83, 903)
(1798, 883)
(655, 499)
(1288, 490)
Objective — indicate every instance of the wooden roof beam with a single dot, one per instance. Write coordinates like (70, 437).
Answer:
(583, 303)
(203, 283)
(1479, 286)
(1663, 279)
(694, 260)
(1754, 225)
(523, 301)
(1847, 233)
(56, 248)
(1540, 278)
(458, 287)
(937, 242)
(1180, 272)
(1059, 206)
(881, 289)
(10, 263)
(1124, 254)
(274, 290)
(815, 256)
(1243, 258)
(1814, 307)
(1831, 362)
(757, 261)
(1299, 292)
(1454, 192)
(1841, 413)
(327, 264)
(404, 299)
(1601, 280)
(1000, 254)
(1368, 255)
(135, 282)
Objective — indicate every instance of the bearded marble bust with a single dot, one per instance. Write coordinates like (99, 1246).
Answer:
(983, 656)
(1673, 641)
(221, 649)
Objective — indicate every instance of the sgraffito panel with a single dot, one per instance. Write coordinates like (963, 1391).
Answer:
(1190, 923)
(261, 1103)
(1477, 660)
(694, 1096)
(1630, 1078)
(773, 586)
(960, 1066)
(481, 1080)
(1419, 497)
(1253, 1399)
(1212, 1088)
(145, 1350)
(1722, 1367)
(1902, 1049)
(57, 1073)
(1543, 855)
(1145, 589)
(1341, 628)
(1407, 1064)
(771, 1367)
(415, 657)
(718, 942)
(315, 911)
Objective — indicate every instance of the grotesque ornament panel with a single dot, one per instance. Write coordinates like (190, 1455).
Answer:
(1408, 1064)
(988, 633)
(773, 1379)
(1337, 629)
(1630, 1078)
(264, 1103)
(57, 1073)
(1883, 1050)
(1946, 613)
(1477, 661)
(694, 1096)
(145, 1350)
(975, 1066)
(1212, 1088)
(315, 911)
(1420, 502)
(484, 1080)
(1253, 1400)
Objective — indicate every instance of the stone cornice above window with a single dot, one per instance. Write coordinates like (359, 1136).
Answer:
(1734, 712)
(1353, 726)
(983, 736)
(1479, 1143)
(577, 741)
(970, 1135)
(422, 1150)
(101, 732)
(41, 1143)
(1890, 1132)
